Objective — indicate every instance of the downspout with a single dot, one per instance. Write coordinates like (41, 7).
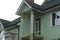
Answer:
(18, 31)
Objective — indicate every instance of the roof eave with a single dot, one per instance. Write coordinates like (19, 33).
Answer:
(48, 10)
(19, 9)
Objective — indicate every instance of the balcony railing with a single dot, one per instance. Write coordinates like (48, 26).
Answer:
(10, 36)
(7, 36)
(2, 35)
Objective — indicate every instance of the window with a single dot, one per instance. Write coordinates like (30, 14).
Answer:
(37, 26)
(53, 19)
(56, 18)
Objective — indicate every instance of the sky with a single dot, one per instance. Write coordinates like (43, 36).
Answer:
(8, 8)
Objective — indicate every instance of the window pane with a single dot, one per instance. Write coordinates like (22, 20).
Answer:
(39, 27)
(53, 19)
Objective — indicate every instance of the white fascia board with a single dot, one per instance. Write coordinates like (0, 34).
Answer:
(20, 9)
(27, 4)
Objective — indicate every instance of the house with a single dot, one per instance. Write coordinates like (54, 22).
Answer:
(39, 22)
(11, 29)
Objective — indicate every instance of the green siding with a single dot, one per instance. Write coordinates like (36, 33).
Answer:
(13, 30)
(25, 26)
(47, 31)
(25, 8)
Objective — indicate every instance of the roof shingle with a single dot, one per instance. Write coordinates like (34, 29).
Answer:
(47, 5)
(8, 24)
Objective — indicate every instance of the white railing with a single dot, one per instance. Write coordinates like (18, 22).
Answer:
(2, 36)
(7, 36)
(10, 36)
(57, 21)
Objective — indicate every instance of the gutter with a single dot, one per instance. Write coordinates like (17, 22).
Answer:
(18, 32)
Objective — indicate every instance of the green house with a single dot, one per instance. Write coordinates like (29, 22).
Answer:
(39, 22)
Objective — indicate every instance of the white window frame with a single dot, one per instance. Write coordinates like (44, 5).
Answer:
(37, 33)
(55, 19)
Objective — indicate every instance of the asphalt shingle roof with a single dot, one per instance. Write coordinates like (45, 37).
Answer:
(14, 22)
(7, 24)
(47, 5)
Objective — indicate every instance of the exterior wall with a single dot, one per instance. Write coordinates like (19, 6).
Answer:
(25, 21)
(47, 31)
(25, 25)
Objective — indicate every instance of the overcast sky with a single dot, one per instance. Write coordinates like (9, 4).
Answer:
(8, 8)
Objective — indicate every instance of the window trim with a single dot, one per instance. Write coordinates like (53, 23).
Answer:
(39, 20)
(51, 18)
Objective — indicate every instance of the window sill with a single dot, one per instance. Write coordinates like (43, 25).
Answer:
(55, 26)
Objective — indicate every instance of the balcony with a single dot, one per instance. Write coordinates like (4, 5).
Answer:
(10, 36)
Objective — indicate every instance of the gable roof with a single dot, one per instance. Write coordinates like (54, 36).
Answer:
(47, 5)
(14, 22)
(8, 24)
(4, 22)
